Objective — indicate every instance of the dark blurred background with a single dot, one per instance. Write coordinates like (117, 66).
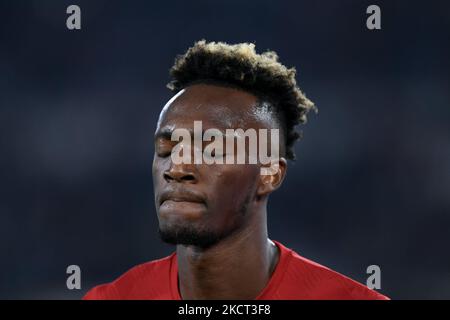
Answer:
(78, 110)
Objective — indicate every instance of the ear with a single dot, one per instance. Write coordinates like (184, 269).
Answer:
(269, 183)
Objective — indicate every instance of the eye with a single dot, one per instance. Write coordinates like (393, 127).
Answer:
(217, 153)
(163, 154)
(163, 150)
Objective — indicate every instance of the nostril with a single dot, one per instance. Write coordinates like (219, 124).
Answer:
(189, 177)
(178, 176)
(167, 176)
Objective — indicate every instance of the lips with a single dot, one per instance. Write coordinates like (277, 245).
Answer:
(180, 196)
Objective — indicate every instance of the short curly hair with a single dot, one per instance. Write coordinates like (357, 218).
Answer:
(240, 66)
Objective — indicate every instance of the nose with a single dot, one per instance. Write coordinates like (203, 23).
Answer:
(180, 173)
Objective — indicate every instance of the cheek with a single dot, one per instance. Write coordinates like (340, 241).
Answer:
(234, 183)
(157, 169)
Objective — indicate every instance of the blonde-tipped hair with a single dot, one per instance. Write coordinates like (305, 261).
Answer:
(239, 65)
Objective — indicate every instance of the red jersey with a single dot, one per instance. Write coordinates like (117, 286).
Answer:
(294, 278)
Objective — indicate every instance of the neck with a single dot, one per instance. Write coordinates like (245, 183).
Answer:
(238, 267)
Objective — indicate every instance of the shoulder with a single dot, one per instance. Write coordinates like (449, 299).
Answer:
(320, 282)
(149, 280)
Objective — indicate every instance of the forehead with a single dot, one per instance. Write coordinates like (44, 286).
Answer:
(216, 106)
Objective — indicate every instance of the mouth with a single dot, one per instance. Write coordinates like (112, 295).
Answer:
(180, 198)
(176, 199)
(186, 208)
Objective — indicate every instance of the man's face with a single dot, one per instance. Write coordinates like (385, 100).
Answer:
(200, 204)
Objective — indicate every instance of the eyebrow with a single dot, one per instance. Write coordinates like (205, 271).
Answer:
(166, 133)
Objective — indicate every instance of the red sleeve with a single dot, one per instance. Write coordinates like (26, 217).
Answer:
(101, 292)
